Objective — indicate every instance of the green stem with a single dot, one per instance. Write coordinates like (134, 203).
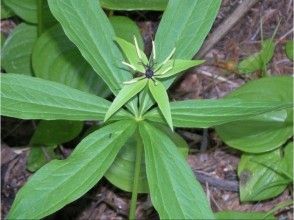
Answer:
(139, 153)
(40, 17)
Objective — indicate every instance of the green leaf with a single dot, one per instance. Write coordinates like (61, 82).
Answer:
(2, 39)
(27, 9)
(121, 172)
(131, 54)
(210, 113)
(63, 181)
(127, 92)
(17, 50)
(236, 215)
(288, 160)
(289, 49)
(56, 132)
(174, 191)
(47, 136)
(5, 11)
(125, 28)
(41, 155)
(259, 181)
(259, 60)
(33, 98)
(128, 5)
(176, 66)
(265, 132)
(87, 26)
(160, 96)
(57, 59)
(191, 27)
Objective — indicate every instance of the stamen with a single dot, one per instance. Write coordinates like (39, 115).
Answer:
(137, 48)
(165, 71)
(169, 56)
(153, 50)
(134, 80)
(129, 65)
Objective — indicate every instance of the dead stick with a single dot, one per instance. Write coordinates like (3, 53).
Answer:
(227, 185)
(224, 27)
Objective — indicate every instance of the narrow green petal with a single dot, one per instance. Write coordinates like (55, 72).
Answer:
(127, 92)
(178, 66)
(160, 95)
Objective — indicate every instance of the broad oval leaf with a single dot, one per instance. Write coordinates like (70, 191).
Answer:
(121, 172)
(265, 132)
(17, 49)
(236, 215)
(160, 96)
(174, 191)
(127, 92)
(210, 113)
(128, 5)
(288, 160)
(27, 9)
(258, 181)
(63, 181)
(28, 97)
(57, 59)
(55, 132)
(87, 26)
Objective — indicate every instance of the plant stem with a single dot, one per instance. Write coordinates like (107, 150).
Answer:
(139, 153)
(40, 17)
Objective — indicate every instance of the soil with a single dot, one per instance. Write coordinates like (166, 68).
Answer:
(213, 162)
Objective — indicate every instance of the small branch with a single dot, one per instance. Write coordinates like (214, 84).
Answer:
(228, 185)
(224, 27)
(220, 78)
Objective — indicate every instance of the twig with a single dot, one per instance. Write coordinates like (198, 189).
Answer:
(224, 27)
(220, 78)
(217, 182)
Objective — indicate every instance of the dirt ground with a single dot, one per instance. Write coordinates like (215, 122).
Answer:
(213, 162)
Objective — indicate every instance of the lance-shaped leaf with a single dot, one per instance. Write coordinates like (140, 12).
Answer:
(174, 191)
(17, 50)
(154, 5)
(127, 92)
(132, 54)
(121, 172)
(191, 29)
(160, 96)
(63, 181)
(27, 97)
(176, 66)
(87, 26)
(209, 113)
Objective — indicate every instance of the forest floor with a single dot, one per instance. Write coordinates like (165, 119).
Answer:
(213, 162)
